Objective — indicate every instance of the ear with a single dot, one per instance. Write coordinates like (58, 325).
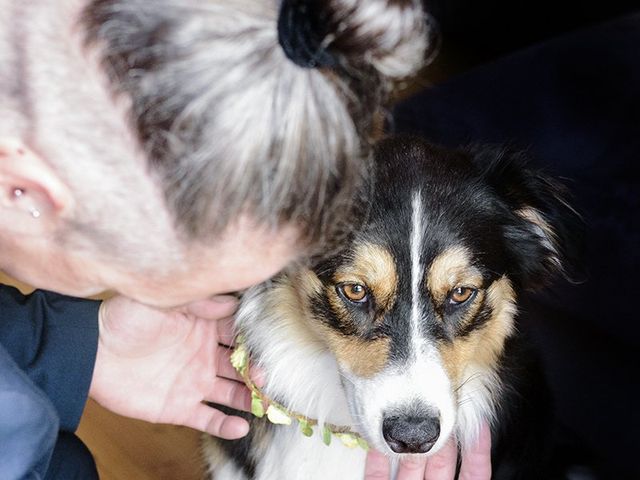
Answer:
(32, 196)
(544, 233)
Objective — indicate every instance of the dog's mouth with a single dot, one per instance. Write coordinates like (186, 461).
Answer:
(404, 411)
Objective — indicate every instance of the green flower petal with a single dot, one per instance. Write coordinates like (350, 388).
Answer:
(240, 358)
(348, 439)
(256, 405)
(326, 436)
(362, 443)
(305, 428)
(278, 416)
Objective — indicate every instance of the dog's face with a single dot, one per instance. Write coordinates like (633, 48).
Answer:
(417, 307)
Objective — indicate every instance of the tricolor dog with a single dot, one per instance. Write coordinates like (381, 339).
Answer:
(406, 336)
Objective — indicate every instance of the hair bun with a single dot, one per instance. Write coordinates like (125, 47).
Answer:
(390, 35)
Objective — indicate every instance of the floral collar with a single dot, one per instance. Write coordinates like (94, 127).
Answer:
(278, 414)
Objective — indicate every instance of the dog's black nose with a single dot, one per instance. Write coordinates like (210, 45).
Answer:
(411, 433)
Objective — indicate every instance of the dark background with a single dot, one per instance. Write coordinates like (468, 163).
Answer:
(475, 32)
(562, 81)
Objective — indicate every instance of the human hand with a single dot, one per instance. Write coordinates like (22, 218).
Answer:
(160, 366)
(476, 463)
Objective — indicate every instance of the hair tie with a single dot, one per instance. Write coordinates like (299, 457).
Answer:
(301, 31)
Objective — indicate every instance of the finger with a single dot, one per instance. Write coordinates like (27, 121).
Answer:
(226, 331)
(442, 465)
(377, 466)
(232, 394)
(412, 468)
(208, 419)
(476, 461)
(214, 308)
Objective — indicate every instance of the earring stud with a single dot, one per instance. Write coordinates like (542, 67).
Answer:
(19, 192)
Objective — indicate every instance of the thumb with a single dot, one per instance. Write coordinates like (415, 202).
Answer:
(214, 308)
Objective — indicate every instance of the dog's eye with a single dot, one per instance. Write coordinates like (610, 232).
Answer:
(353, 292)
(459, 295)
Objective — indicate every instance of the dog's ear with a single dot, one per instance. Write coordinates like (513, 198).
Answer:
(544, 233)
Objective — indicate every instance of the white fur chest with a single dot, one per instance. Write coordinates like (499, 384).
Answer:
(292, 456)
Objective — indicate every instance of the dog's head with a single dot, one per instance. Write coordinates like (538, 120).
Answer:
(417, 307)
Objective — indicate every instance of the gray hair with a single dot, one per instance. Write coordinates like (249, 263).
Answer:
(230, 125)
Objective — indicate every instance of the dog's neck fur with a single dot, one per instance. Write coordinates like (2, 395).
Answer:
(301, 373)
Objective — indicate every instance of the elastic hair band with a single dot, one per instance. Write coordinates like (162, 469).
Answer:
(301, 31)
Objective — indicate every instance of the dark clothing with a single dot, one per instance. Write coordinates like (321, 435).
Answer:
(71, 460)
(48, 344)
(574, 104)
(28, 424)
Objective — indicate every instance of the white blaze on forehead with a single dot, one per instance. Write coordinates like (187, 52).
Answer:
(422, 379)
(416, 268)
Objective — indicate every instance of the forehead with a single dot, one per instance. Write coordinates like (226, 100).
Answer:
(438, 196)
(245, 255)
(431, 215)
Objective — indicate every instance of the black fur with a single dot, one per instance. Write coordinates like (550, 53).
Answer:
(240, 451)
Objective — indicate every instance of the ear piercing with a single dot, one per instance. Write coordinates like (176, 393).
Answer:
(17, 193)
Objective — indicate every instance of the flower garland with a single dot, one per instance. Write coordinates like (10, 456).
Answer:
(278, 414)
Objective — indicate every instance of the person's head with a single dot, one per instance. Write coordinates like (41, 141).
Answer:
(174, 149)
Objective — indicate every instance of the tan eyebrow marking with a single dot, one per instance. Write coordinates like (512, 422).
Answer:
(374, 266)
(449, 269)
